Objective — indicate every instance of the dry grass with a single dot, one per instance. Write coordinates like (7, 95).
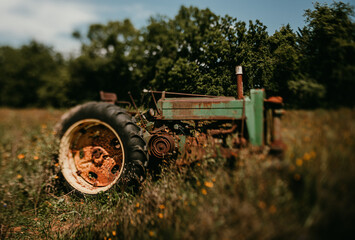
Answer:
(307, 195)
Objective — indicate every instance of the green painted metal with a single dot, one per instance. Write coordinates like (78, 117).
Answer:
(254, 112)
(219, 108)
(182, 142)
(201, 108)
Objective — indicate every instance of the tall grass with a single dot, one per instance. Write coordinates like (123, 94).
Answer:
(306, 195)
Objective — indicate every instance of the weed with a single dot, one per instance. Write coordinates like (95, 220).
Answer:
(308, 194)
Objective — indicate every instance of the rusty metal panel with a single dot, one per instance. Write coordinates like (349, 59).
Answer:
(219, 108)
(239, 73)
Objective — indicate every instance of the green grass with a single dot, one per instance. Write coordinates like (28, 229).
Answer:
(309, 194)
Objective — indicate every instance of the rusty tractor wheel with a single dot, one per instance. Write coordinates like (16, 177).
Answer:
(100, 147)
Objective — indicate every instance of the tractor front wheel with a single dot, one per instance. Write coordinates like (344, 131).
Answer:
(100, 147)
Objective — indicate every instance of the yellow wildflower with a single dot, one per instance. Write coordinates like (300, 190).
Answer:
(160, 215)
(21, 156)
(313, 154)
(35, 157)
(299, 162)
(306, 156)
(161, 206)
(19, 176)
(139, 211)
(151, 233)
(113, 233)
(204, 192)
(209, 184)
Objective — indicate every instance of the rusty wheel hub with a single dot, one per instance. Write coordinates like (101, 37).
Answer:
(96, 166)
(95, 156)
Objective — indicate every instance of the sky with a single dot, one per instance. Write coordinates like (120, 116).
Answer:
(52, 21)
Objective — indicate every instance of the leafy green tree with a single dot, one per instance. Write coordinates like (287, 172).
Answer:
(194, 52)
(285, 62)
(256, 57)
(31, 76)
(104, 63)
(10, 87)
(327, 44)
(197, 52)
(306, 93)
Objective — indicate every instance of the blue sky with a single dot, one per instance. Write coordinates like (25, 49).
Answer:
(53, 21)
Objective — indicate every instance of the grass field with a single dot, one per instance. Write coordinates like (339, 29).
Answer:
(309, 194)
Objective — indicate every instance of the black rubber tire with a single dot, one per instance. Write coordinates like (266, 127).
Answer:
(136, 156)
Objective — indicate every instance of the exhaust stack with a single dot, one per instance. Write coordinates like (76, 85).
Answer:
(239, 73)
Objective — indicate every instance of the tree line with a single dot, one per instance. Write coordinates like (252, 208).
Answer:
(194, 52)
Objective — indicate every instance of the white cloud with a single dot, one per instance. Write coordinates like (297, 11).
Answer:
(48, 21)
(52, 21)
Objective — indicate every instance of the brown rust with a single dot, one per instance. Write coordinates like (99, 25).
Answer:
(112, 98)
(108, 97)
(95, 168)
(157, 130)
(274, 100)
(239, 73)
(199, 109)
(97, 155)
(161, 145)
(207, 102)
(204, 146)
(222, 130)
(189, 116)
(180, 94)
(196, 149)
(155, 103)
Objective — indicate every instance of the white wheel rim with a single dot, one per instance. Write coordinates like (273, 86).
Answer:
(67, 162)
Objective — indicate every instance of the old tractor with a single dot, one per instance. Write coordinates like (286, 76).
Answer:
(103, 145)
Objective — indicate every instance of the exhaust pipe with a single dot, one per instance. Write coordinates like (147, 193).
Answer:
(239, 73)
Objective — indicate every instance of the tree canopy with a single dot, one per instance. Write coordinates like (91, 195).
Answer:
(194, 52)
(32, 75)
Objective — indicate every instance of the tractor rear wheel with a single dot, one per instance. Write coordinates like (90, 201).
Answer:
(100, 147)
